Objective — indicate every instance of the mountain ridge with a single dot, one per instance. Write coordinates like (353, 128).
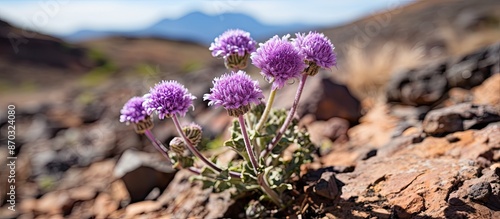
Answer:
(197, 27)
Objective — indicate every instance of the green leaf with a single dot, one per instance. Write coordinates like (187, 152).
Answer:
(223, 175)
(207, 184)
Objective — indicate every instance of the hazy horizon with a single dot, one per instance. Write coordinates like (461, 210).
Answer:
(62, 17)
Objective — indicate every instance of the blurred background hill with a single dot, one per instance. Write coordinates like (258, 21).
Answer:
(198, 28)
(69, 80)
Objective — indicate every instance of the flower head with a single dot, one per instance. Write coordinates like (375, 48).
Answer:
(234, 91)
(168, 98)
(278, 60)
(234, 46)
(317, 49)
(133, 111)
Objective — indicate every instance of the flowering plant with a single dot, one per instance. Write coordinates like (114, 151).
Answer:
(259, 133)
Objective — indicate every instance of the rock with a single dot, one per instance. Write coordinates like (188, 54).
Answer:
(99, 175)
(375, 130)
(458, 95)
(458, 118)
(488, 92)
(335, 129)
(92, 112)
(398, 144)
(427, 85)
(473, 145)
(142, 172)
(404, 181)
(104, 205)
(56, 202)
(83, 193)
(484, 190)
(323, 98)
(480, 191)
(186, 199)
(141, 207)
(417, 87)
(119, 193)
(326, 186)
(434, 177)
(471, 70)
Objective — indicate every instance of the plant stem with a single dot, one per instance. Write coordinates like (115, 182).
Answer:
(164, 151)
(248, 146)
(194, 170)
(196, 152)
(267, 189)
(269, 105)
(158, 145)
(289, 118)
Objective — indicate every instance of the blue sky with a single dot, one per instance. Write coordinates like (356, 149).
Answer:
(67, 16)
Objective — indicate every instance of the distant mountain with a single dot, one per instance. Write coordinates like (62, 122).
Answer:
(197, 27)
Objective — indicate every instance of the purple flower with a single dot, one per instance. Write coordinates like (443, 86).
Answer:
(133, 111)
(232, 42)
(317, 48)
(278, 60)
(235, 92)
(168, 98)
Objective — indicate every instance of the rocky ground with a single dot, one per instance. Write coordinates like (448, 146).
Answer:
(432, 150)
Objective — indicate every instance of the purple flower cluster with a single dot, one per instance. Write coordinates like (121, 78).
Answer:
(279, 61)
(232, 42)
(133, 111)
(233, 91)
(168, 98)
(317, 48)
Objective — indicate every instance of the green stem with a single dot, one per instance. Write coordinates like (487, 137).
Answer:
(262, 179)
(269, 105)
(248, 146)
(197, 153)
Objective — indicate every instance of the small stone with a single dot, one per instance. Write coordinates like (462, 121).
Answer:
(480, 191)
(326, 186)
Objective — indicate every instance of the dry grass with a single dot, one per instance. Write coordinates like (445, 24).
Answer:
(458, 43)
(367, 73)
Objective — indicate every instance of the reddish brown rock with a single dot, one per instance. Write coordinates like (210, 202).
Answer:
(374, 131)
(141, 207)
(104, 205)
(488, 92)
(438, 177)
(82, 193)
(57, 202)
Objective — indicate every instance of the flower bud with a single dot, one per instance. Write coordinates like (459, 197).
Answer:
(178, 146)
(193, 133)
(143, 125)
